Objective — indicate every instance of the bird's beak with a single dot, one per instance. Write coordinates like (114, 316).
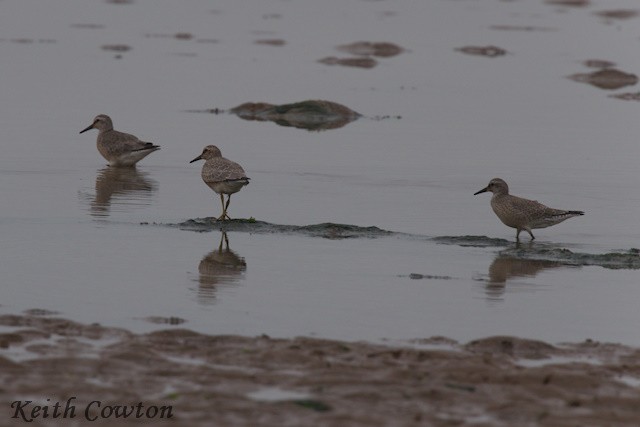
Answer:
(196, 159)
(484, 190)
(87, 128)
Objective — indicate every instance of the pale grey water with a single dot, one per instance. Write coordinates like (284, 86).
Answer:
(74, 245)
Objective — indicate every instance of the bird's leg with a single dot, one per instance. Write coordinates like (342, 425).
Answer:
(530, 233)
(518, 234)
(227, 207)
(221, 217)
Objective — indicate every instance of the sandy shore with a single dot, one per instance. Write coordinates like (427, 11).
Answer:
(239, 381)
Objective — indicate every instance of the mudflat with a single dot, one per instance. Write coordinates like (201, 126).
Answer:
(180, 377)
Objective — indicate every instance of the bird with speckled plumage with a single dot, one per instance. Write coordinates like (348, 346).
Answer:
(119, 148)
(222, 175)
(523, 214)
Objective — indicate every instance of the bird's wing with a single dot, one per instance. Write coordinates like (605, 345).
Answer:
(221, 169)
(539, 215)
(533, 208)
(131, 142)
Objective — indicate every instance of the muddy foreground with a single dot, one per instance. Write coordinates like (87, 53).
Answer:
(240, 381)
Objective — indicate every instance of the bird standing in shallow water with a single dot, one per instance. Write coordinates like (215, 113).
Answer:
(523, 214)
(222, 175)
(119, 148)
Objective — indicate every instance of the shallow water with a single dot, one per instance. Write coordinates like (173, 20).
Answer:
(437, 125)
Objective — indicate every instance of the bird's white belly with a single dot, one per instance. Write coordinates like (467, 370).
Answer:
(227, 187)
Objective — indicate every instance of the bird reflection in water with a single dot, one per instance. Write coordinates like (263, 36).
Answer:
(126, 187)
(505, 268)
(221, 266)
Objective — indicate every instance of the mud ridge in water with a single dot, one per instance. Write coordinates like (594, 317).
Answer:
(598, 63)
(215, 380)
(521, 28)
(162, 320)
(349, 62)
(472, 241)
(629, 259)
(420, 276)
(363, 51)
(270, 42)
(326, 230)
(606, 78)
(569, 3)
(488, 51)
(28, 41)
(629, 96)
(379, 49)
(312, 115)
(614, 260)
(618, 14)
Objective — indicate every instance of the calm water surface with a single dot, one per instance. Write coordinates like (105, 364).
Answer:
(72, 239)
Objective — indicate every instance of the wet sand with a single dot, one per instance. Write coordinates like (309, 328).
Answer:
(203, 380)
(457, 93)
